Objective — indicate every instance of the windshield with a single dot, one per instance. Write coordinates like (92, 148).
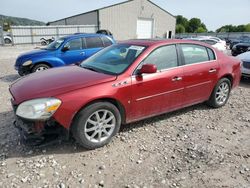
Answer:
(114, 59)
(55, 45)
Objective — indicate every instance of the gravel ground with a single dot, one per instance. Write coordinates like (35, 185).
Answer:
(194, 147)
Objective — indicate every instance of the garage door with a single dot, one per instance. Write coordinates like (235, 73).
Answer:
(144, 29)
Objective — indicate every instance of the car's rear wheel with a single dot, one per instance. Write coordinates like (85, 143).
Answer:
(40, 67)
(220, 94)
(96, 124)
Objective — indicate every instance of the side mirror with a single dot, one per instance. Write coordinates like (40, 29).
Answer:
(65, 48)
(148, 69)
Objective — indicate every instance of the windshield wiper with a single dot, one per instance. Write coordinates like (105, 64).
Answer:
(90, 68)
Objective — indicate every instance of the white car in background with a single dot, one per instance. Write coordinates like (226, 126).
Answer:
(214, 38)
(7, 39)
(245, 65)
(220, 45)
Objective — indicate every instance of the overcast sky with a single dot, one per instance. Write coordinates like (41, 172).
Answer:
(214, 13)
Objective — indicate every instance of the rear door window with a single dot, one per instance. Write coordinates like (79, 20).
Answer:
(194, 53)
(93, 42)
(211, 54)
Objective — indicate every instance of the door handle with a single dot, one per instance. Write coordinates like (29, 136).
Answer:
(177, 78)
(212, 70)
(82, 53)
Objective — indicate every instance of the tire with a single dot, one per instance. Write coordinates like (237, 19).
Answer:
(86, 125)
(43, 43)
(7, 41)
(220, 94)
(40, 67)
(21, 73)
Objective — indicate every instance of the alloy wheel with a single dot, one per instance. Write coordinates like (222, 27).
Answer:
(222, 93)
(41, 69)
(100, 126)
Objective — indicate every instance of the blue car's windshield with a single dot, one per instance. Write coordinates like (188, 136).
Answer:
(55, 45)
(114, 59)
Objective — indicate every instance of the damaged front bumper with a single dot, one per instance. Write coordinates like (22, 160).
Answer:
(40, 133)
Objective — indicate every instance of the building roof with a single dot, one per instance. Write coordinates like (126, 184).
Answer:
(113, 6)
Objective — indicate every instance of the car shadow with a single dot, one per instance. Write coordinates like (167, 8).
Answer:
(155, 119)
(11, 142)
(245, 82)
(9, 78)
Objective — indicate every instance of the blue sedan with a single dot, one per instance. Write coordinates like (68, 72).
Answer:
(67, 50)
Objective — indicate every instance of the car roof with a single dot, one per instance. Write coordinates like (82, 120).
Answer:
(153, 42)
(77, 35)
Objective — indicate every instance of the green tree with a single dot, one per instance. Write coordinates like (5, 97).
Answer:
(194, 24)
(180, 28)
(247, 28)
(191, 26)
(6, 26)
(226, 28)
(180, 20)
(232, 28)
(203, 26)
(240, 28)
(201, 30)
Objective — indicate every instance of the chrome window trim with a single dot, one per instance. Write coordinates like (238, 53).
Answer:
(167, 69)
(181, 66)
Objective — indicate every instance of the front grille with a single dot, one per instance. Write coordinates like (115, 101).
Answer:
(246, 65)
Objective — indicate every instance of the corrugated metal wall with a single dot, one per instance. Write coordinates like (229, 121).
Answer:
(121, 19)
(32, 35)
(89, 18)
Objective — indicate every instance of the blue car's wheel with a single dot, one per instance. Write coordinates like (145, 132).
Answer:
(40, 67)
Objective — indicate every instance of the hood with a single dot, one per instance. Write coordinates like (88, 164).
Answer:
(29, 55)
(55, 81)
(37, 52)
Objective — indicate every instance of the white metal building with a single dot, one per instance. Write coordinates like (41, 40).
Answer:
(128, 20)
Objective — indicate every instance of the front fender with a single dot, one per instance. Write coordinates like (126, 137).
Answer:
(52, 61)
(74, 101)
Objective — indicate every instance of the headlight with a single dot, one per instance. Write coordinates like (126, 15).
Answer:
(38, 109)
(27, 63)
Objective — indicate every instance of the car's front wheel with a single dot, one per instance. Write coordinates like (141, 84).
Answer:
(7, 41)
(96, 124)
(40, 67)
(220, 94)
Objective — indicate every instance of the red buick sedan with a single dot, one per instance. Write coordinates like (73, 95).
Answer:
(123, 83)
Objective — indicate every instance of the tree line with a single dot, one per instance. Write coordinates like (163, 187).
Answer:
(233, 28)
(195, 25)
(7, 21)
